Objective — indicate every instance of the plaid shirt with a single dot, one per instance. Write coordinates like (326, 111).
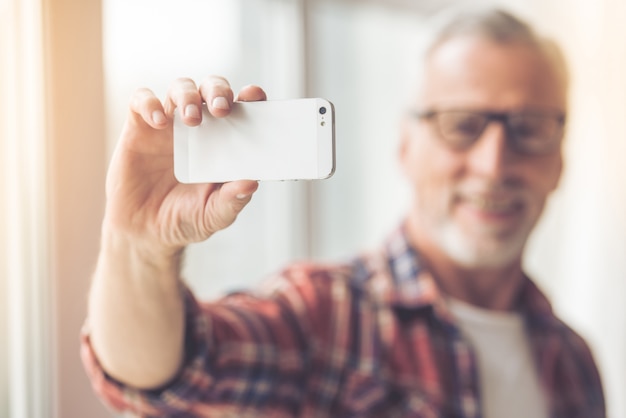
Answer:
(371, 338)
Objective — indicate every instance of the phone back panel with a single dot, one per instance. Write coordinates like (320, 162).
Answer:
(272, 140)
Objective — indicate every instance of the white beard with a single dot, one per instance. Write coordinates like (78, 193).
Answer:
(476, 245)
(483, 252)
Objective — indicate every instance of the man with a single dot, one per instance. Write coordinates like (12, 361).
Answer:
(440, 322)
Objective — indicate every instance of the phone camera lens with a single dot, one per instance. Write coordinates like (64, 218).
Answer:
(322, 110)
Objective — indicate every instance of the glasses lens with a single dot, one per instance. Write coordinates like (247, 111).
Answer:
(460, 128)
(535, 133)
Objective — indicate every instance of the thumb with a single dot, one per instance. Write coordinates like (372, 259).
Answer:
(227, 202)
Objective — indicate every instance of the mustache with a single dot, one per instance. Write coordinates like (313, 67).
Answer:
(490, 187)
(489, 193)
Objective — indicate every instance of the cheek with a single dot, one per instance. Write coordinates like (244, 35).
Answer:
(545, 175)
(431, 170)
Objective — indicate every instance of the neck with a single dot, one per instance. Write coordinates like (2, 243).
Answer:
(490, 288)
(495, 289)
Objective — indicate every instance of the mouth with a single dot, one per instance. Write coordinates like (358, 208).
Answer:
(493, 204)
(501, 210)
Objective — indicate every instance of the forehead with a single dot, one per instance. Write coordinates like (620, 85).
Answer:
(478, 72)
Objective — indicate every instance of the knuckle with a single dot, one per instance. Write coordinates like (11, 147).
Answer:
(182, 91)
(142, 91)
(183, 84)
(219, 219)
(185, 81)
(217, 80)
(141, 94)
(142, 98)
(216, 86)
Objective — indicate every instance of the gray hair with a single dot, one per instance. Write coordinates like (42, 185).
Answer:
(494, 24)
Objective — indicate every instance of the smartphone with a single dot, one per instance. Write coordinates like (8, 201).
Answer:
(268, 140)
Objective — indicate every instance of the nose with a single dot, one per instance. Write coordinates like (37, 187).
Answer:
(490, 156)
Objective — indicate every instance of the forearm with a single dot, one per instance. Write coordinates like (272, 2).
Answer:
(136, 308)
(136, 312)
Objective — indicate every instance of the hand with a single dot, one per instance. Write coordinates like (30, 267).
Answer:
(144, 200)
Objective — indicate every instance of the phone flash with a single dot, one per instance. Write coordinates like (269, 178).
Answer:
(323, 123)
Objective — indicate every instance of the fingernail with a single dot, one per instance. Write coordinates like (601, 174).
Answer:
(158, 117)
(241, 196)
(220, 103)
(192, 111)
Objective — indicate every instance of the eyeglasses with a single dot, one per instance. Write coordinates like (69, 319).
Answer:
(528, 132)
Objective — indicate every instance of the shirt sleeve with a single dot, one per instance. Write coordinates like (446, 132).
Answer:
(245, 349)
(170, 400)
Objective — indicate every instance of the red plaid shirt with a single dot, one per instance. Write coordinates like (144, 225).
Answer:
(371, 338)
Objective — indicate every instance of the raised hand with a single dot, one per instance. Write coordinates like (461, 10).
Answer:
(136, 308)
(144, 200)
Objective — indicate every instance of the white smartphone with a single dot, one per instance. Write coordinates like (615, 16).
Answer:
(268, 140)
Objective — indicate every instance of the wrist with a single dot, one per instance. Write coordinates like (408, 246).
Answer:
(140, 251)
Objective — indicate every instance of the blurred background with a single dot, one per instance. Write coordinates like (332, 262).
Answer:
(68, 68)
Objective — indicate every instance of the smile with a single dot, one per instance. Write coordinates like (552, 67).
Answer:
(490, 204)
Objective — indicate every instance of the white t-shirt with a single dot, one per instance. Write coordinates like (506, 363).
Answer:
(508, 377)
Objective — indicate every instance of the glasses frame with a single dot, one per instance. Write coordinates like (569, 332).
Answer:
(504, 118)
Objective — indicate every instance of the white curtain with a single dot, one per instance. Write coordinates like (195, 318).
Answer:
(51, 200)
(25, 358)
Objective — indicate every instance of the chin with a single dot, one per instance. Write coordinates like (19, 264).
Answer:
(488, 252)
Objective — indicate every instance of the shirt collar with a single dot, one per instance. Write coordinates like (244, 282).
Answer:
(401, 280)
(412, 286)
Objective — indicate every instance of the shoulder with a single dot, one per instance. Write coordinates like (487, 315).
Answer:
(565, 356)
(328, 280)
(576, 374)
(320, 292)
(310, 282)
(574, 345)
(551, 333)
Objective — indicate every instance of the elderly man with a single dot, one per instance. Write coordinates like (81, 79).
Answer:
(441, 321)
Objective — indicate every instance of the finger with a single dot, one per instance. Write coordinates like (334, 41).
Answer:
(218, 95)
(184, 95)
(227, 202)
(147, 107)
(239, 190)
(251, 93)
